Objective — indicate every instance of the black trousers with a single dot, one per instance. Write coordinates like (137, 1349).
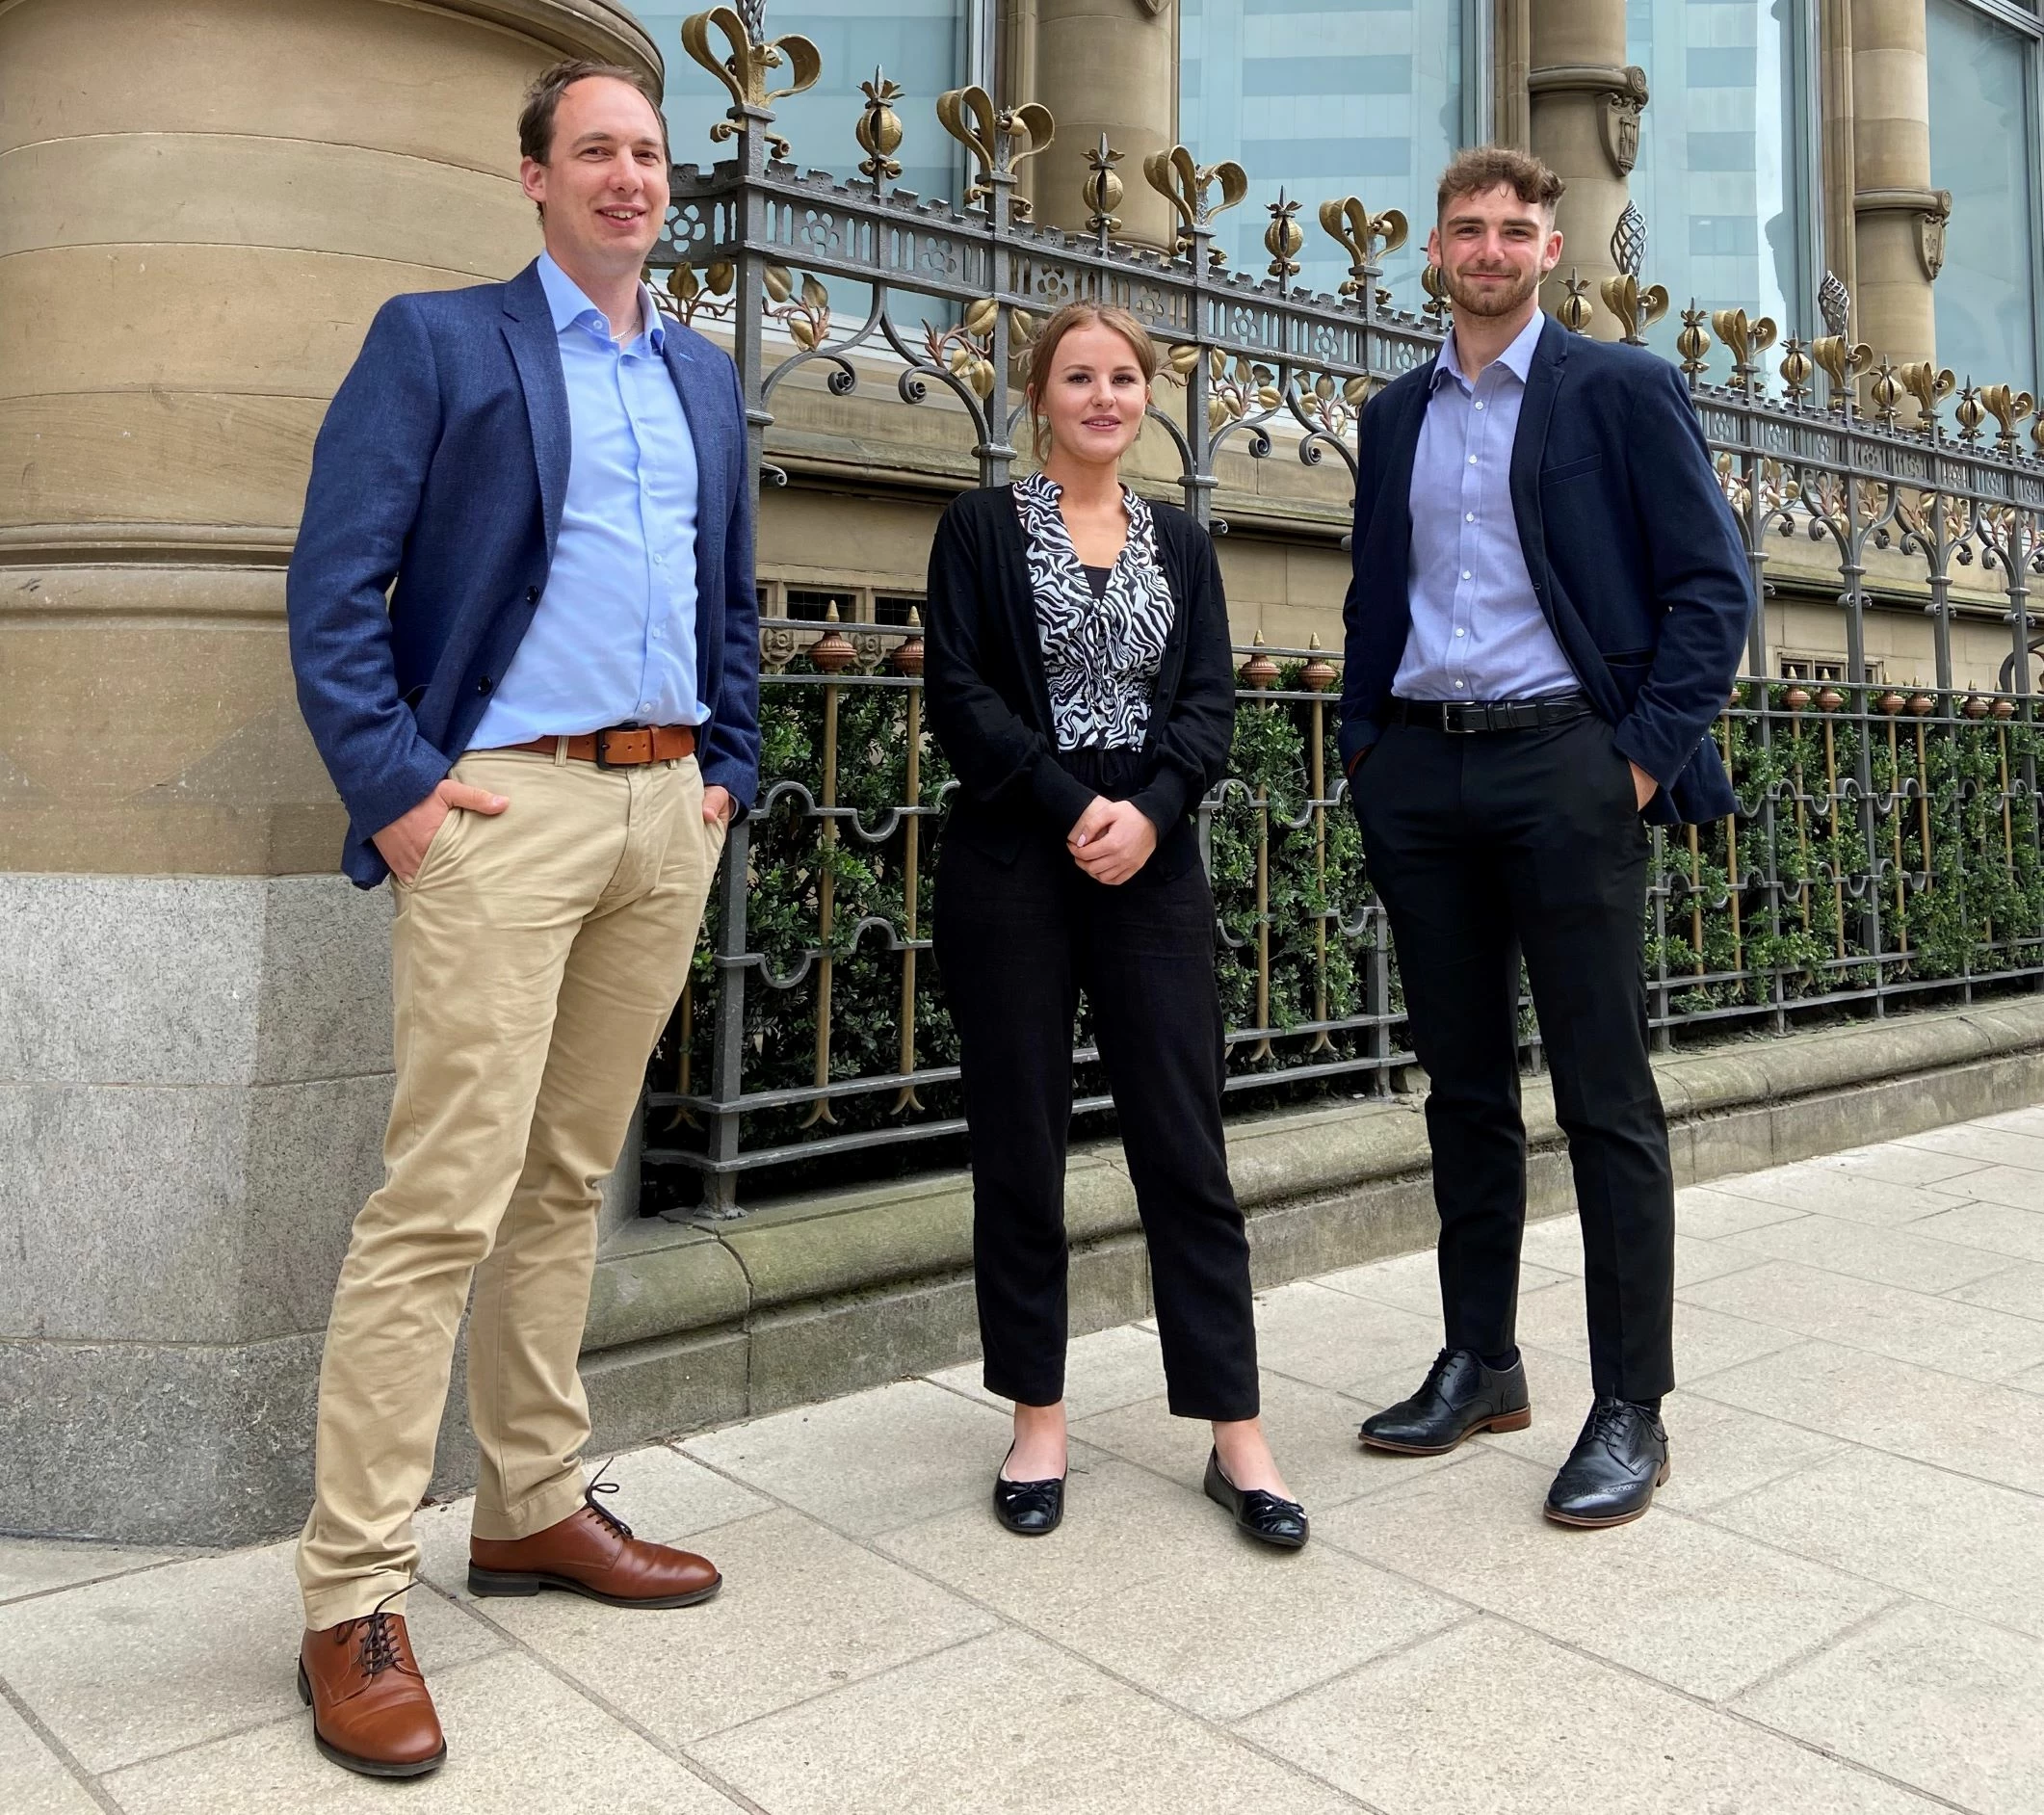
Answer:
(1016, 942)
(1482, 848)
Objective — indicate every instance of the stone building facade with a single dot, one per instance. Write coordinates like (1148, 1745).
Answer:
(201, 206)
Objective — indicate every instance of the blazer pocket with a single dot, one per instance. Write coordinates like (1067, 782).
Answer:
(1571, 469)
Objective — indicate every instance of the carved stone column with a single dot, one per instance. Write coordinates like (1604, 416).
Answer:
(1111, 67)
(1585, 105)
(1511, 33)
(1835, 88)
(1898, 218)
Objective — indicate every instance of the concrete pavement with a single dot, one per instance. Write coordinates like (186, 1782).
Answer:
(1836, 1607)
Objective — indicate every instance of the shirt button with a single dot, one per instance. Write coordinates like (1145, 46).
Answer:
(1471, 460)
(1465, 573)
(1479, 406)
(1459, 683)
(1469, 516)
(1459, 631)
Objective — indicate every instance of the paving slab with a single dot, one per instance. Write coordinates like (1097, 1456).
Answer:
(1160, 1588)
(1946, 1704)
(1991, 1432)
(35, 1781)
(1903, 1326)
(1412, 1282)
(1689, 1604)
(2017, 1290)
(1109, 1368)
(1985, 1141)
(802, 1611)
(661, 1494)
(1969, 1544)
(1312, 1431)
(1555, 1318)
(124, 1669)
(1928, 1255)
(1007, 1725)
(870, 1460)
(34, 1565)
(2000, 1229)
(1853, 1196)
(1714, 1212)
(1489, 1718)
(519, 1741)
(2013, 1185)
(1335, 1339)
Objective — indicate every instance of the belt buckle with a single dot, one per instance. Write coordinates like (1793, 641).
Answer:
(1456, 719)
(603, 747)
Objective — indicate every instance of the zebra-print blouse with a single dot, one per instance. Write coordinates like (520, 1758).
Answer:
(1100, 656)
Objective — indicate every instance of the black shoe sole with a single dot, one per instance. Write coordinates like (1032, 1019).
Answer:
(1579, 1523)
(506, 1584)
(1504, 1421)
(363, 1767)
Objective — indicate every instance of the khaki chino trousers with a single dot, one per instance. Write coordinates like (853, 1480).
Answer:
(534, 960)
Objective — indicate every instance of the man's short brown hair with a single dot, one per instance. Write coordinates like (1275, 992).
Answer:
(1483, 168)
(535, 120)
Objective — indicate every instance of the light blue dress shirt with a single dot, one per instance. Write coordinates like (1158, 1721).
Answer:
(614, 635)
(1477, 629)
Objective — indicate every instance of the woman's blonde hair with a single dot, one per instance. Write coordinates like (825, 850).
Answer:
(1043, 351)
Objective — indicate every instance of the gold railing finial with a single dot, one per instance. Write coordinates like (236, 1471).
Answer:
(992, 135)
(1283, 238)
(2008, 406)
(1366, 238)
(1745, 338)
(1574, 312)
(1184, 184)
(1103, 189)
(1929, 383)
(1693, 342)
(744, 71)
(880, 130)
(1636, 309)
(1842, 361)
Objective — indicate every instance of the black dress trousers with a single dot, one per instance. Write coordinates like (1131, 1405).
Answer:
(1482, 848)
(1016, 942)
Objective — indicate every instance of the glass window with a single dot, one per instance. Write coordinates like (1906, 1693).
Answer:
(1720, 152)
(1982, 142)
(919, 43)
(1324, 98)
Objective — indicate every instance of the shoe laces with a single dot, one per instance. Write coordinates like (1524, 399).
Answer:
(378, 1635)
(588, 1499)
(1611, 1419)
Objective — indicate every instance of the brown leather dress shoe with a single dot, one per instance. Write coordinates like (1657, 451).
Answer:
(591, 1552)
(370, 1709)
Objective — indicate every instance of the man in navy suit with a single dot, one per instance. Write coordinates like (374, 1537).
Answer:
(1548, 606)
(526, 640)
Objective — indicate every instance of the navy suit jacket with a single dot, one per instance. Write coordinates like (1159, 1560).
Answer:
(1634, 558)
(442, 467)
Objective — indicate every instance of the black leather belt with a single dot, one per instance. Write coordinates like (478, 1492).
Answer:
(1463, 717)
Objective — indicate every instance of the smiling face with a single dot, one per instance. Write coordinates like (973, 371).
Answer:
(603, 189)
(1493, 249)
(1095, 395)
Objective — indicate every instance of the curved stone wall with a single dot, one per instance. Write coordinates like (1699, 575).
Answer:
(201, 207)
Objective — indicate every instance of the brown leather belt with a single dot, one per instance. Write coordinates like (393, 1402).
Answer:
(621, 746)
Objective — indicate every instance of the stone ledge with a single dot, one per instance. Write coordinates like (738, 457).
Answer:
(844, 1289)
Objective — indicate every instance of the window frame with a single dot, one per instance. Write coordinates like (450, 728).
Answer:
(2024, 20)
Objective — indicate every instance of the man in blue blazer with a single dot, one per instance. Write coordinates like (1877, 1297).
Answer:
(526, 641)
(1549, 605)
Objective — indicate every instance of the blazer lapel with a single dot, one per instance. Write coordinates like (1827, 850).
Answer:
(536, 351)
(1543, 382)
(701, 407)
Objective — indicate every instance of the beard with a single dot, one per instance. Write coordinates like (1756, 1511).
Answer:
(1477, 299)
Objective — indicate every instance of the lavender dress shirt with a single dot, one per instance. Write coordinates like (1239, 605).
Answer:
(1477, 629)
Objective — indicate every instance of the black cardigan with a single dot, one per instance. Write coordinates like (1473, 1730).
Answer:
(989, 703)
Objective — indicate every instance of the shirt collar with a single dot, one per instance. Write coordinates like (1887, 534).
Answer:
(1516, 359)
(570, 307)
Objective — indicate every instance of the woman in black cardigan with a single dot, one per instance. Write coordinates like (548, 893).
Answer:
(1077, 678)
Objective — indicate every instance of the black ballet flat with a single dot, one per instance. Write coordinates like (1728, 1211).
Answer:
(1030, 1508)
(1263, 1515)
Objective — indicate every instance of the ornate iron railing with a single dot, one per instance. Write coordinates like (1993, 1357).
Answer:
(1887, 840)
